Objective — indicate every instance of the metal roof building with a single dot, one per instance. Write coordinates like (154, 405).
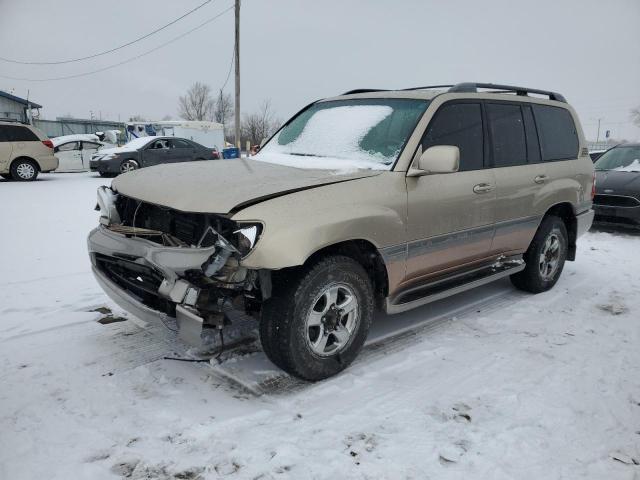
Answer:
(15, 108)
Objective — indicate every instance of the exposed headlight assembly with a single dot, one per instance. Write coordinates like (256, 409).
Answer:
(247, 237)
(107, 206)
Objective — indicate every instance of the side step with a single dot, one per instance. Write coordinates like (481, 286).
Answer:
(443, 288)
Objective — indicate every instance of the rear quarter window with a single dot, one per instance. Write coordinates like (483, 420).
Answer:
(557, 133)
(17, 133)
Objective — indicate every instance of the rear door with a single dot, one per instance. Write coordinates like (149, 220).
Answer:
(451, 215)
(520, 174)
(183, 150)
(69, 157)
(5, 149)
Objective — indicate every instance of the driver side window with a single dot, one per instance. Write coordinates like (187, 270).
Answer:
(458, 124)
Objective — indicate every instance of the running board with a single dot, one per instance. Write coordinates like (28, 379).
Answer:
(435, 291)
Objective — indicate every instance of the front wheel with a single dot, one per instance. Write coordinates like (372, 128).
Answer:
(129, 166)
(545, 257)
(24, 170)
(316, 323)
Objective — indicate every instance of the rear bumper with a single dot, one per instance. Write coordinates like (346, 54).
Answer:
(47, 163)
(584, 221)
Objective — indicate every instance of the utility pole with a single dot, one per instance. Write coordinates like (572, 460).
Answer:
(237, 62)
(598, 135)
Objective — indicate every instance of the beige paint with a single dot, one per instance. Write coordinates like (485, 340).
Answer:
(35, 150)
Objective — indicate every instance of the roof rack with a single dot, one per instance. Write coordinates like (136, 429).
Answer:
(365, 90)
(468, 87)
(522, 91)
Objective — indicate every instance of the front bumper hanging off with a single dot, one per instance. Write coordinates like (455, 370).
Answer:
(117, 260)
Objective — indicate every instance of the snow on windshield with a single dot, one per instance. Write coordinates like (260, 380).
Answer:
(332, 138)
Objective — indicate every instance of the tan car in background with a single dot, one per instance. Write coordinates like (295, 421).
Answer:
(372, 199)
(24, 152)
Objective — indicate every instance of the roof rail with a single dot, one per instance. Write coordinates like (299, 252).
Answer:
(523, 91)
(365, 90)
(428, 87)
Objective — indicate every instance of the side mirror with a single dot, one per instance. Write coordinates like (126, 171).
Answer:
(437, 159)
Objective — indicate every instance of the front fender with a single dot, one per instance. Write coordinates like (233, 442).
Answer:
(299, 224)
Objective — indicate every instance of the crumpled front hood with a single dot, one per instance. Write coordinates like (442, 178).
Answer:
(220, 186)
(613, 182)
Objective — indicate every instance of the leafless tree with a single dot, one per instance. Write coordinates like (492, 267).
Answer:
(197, 104)
(167, 117)
(259, 125)
(137, 118)
(635, 115)
(223, 112)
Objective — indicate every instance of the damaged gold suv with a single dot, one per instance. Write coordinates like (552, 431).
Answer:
(369, 200)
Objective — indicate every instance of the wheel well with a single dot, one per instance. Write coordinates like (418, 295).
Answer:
(367, 255)
(566, 213)
(26, 158)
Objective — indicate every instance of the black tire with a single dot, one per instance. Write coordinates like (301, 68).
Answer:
(6, 176)
(532, 279)
(24, 170)
(284, 332)
(129, 165)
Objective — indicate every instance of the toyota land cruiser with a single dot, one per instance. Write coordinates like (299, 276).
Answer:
(372, 199)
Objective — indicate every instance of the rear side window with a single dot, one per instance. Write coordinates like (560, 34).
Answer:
(557, 132)
(16, 133)
(458, 124)
(3, 136)
(506, 128)
(533, 146)
(177, 143)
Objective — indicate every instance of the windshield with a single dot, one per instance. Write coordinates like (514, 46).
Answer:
(346, 134)
(622, 159)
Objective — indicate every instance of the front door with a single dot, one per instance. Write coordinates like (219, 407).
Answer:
(157, 153)
(69, 157)
(451, 216)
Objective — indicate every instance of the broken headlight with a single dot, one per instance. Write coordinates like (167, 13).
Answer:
(247, 237)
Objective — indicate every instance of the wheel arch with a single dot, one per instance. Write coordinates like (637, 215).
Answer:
(25, 157)
(366, 254)
(566, 212)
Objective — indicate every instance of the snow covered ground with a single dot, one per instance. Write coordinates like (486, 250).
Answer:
(490, 384)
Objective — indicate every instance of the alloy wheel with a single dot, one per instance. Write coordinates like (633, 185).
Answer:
(550, 257)
(332, 320)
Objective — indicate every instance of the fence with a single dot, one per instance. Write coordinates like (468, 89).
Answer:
(72, 126)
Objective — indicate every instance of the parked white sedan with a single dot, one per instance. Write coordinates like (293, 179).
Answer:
(74, 151)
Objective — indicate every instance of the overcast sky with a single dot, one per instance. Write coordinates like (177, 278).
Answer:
(296, 51)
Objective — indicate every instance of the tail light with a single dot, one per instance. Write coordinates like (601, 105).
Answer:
(593, 187)
(216, 155)
(48, 143)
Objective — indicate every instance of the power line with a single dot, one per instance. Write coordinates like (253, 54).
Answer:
(233, 55)
(124, 61)
(79, 59)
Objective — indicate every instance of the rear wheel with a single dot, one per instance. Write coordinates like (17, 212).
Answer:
(24, 170)
(545, 257)
(316, 323)
(129, 166)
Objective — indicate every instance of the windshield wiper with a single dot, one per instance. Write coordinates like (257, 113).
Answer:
(305, 155)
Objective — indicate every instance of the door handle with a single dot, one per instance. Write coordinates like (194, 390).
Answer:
(483, 188)
(540, 179)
